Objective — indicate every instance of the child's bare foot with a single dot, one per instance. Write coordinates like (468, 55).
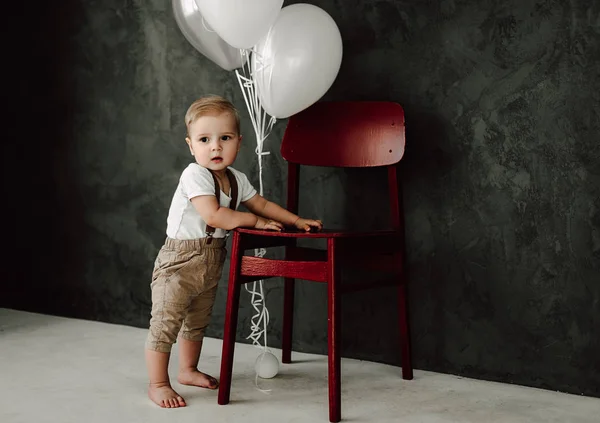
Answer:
(165, 396)
(195, 377)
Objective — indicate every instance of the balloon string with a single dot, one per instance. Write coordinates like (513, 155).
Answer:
(262, 129)
(262, 65)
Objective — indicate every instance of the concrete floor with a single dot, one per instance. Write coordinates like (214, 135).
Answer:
(61, 370)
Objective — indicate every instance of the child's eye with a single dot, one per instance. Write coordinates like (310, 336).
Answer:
(225, 137)
(203, 139)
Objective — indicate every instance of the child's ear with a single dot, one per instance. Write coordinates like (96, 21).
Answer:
(189, 143)
(240, 142)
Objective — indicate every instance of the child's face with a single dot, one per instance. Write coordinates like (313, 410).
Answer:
(214, 141)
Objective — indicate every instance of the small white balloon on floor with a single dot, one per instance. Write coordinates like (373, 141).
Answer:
(285, 60)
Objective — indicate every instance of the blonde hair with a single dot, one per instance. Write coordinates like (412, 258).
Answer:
(208, 105)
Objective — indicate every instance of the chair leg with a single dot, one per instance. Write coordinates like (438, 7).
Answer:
(231, 314)
(288, 320)
(334, 334)
(407, 370)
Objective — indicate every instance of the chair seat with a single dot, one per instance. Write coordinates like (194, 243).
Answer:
(350, 244)
(325, 233)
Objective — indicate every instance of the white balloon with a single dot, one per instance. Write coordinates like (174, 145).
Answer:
(267, 365)
(240, 22)
(297, 61)
(203, 38)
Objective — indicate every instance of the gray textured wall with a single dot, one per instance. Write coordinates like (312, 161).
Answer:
(502, 177)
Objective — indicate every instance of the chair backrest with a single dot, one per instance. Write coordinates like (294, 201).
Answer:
(345, 134)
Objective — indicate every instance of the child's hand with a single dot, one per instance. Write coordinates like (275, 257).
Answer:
(262, 223)
(308, 224)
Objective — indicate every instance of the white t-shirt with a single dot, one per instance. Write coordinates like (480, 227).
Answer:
(184, 222)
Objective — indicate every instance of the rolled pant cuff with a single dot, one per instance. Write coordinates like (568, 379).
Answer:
(162, 347)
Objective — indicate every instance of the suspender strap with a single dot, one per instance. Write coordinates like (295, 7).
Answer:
(234, 194)
(234, 189)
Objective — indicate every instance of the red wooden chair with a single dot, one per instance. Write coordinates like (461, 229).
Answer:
(335, 134)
